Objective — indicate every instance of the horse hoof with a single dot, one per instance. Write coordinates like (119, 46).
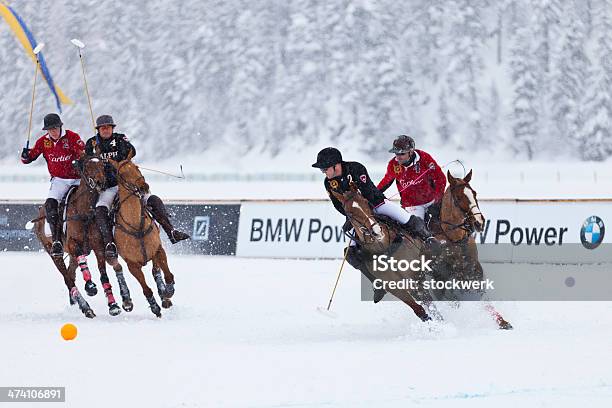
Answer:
(504, 325)
(89, 314)
(425, 318)
(127, 305)
(113, 309)
(166, 303)
(157, 312)
(90, 288)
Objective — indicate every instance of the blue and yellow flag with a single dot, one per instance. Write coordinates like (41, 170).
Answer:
(27, 40)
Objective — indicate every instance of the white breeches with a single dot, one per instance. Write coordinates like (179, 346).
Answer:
(419, 210)
(393, 210)
(107, 196)
(59, 187)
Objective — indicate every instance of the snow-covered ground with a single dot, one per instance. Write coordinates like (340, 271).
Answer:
(247, 333)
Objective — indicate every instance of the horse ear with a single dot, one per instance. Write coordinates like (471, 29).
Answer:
(450, 178)
(353, 186)
(468, 177)
(130, 155)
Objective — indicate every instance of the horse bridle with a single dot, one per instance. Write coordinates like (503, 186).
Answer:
(465, 224)
(132, 188)
(362, 226)
(93, 184)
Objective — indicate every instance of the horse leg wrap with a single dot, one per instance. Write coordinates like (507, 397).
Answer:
(161, 287)
(108, 291)
(154, 306)
(123, 288)
(79, 299)
(169, 290)
(84, 268)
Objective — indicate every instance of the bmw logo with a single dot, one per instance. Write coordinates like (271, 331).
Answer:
(592, 232)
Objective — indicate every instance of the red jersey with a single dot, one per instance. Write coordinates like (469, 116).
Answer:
(59, 155)
(429, 187)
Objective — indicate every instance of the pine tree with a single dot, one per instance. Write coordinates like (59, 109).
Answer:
(524, 104)
(569, 79)
(595, 140)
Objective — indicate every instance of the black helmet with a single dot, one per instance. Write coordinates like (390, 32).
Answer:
(51, 121)
(402, 144)
(105, 120)
(327, 158)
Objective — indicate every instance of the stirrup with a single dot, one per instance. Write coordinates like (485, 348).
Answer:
(57, 249)
(110, 250)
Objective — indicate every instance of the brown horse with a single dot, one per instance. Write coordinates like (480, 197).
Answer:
(137, 235)
(460, 216)
(81, 237)
(377, 237)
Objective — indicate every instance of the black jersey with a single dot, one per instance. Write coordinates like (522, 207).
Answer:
(359, 175)
(116, 148)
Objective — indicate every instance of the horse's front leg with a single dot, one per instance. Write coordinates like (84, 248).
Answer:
(75, 295)
(126, 298)
(72, 265)
(113, 309)
(136, 271)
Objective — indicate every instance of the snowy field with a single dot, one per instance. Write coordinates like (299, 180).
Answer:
(247, 333)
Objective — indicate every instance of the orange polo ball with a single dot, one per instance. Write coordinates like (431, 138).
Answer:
(69, 331)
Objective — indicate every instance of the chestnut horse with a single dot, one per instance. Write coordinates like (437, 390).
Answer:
(376, 237)
(137, 235)
(460, 216)
(82, 236)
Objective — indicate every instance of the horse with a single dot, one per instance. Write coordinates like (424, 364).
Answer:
(137, 235)
(377, 236)
(82, 235)
(460, 216)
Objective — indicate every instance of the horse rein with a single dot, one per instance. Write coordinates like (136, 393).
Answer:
(464, 225)
(137, 232)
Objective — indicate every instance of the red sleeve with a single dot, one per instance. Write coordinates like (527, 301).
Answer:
(386, 182)
(35, 151)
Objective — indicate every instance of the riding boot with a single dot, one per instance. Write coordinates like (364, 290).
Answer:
(158, 210)
(355, 259)
(416, 227)
(52, 215)
(106, 229)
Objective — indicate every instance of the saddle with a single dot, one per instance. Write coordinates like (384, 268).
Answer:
(114, 210)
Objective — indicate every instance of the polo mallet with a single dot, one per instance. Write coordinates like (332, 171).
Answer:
(331, 298)
(182, 176)
(36, 51)
(80, 46)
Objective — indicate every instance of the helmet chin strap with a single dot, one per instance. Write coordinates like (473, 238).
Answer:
(409, 161)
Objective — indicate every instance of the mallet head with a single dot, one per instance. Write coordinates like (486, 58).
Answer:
(77, 43)
(38, 48)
